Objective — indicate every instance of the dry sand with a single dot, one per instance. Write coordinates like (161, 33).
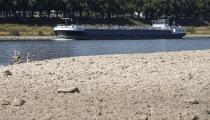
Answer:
(157, 86)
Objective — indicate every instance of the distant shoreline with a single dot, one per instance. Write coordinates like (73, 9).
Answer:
(197, 36)
(34, 32)
(16, 38)
(28, 38)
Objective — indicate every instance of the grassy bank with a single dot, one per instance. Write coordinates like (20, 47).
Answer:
(198, 30)
(25, 30)
(34, 30)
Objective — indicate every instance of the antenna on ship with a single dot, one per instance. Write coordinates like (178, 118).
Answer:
(174, 23)
(66, 20)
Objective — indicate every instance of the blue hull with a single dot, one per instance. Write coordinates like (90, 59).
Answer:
(118, 34)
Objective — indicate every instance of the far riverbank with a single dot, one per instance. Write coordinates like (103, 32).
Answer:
(197, 36)
(34, 32)
(16, 38)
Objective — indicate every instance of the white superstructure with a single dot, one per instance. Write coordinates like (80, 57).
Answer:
(67, 28)
(163, 24)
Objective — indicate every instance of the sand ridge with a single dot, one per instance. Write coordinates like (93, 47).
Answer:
(155, 86)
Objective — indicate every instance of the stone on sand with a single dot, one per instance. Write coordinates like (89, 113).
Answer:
(18, 102)
(4, 102)
(7, 73)
(192, 101)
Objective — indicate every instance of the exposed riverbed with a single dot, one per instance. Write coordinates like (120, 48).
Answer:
(151, 86)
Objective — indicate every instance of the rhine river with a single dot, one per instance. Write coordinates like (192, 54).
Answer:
(49, 49)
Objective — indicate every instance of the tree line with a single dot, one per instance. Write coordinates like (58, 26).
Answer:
(151, 9)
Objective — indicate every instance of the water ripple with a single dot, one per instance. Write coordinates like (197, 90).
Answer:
(41, 50)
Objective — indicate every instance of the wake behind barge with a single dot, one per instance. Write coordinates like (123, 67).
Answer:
(159, 30)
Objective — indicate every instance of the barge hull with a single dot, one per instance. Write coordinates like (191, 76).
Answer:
(118, 34)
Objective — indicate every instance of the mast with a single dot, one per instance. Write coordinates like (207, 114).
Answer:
(66, 20)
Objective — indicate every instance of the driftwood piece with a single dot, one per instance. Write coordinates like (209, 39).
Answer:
(69, 90)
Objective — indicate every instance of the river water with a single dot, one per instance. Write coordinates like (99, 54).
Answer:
(41, 50)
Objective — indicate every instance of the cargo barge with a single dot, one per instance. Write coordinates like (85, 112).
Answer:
(160, 29)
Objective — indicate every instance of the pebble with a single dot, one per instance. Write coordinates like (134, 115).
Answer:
(18, 102)
(100, 113)
(47, 117)
(7, 73)
(195, 117)
(143, 117)
(192, 101)
(38, 64)
(208, 112)
(69, 90)
(73, 59)
(190, 76)
(4, 102)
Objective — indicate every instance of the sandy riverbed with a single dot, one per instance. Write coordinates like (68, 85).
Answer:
(157, 86)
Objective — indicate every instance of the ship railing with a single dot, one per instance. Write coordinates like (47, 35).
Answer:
(115, 27)
(60, 25)
(122, 27)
